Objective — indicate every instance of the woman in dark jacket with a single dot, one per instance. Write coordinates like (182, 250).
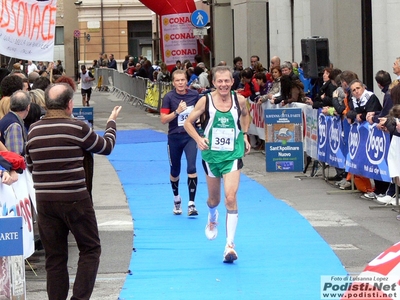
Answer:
(324, 96)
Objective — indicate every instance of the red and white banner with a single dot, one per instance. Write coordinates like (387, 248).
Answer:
(27, 29)
(15, 200)
(178, 41)
(380, 278)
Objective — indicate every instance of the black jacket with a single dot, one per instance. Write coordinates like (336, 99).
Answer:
(371, 104)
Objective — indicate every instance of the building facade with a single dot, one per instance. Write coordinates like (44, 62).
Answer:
(361, 33)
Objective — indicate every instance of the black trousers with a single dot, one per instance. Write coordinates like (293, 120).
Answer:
(55, 221)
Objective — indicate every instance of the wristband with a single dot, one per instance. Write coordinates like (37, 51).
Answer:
(176, 113)
(245, 133)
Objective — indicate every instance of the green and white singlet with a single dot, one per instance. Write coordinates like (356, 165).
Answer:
(226, 141)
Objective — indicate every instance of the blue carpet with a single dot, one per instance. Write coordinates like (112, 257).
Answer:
(280, 255)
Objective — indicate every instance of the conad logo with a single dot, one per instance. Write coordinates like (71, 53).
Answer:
(176, 20)
(178, 36)
(180, 52)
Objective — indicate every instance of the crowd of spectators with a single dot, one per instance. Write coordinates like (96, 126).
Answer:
(335, 92)
(21, 104)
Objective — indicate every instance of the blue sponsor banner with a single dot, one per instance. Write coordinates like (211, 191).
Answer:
(332, 140)
(336, 149)
(11, 240)
(284, 140)
(284, 158)
(368, 149)
(84, 113)
(283, 115)
(323, 124)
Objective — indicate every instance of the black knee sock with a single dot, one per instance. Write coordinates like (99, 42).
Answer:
(175, 187)
(192, 185)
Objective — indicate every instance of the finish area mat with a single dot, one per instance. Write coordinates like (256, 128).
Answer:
(280, 255)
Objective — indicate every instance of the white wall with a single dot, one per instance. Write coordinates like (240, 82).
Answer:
(250, 30)
(280, 29)
(222, 29)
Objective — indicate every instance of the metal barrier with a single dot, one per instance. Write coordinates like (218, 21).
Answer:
(136, 90)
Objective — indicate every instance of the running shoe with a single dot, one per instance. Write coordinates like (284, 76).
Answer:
(369, 196)
(211, 227)
(345, 186)
(177, 207)
(192, 211)
(386, 200)
(230, 254)
(338, 183)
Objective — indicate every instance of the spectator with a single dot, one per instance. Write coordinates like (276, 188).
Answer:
(194, 74)
(41, 83)
(100, 60)
(306, 81)
(342, 108)
(258, 68)
(60, 67)
(131, 69)
(396, 68)
(37, 96)
(31, 68)
(156, 66)
(337, 93)
(61, 212)
(125, 63)
(253, 60)
(291, 91)
(140, 71)
(149, 70)
(112, 63)
(261, 79)
(104, 60)
(65, 79)
(41, 66)
(362, 102)
(3, 71)
(383, 80)
(198, 59)
(265, 90)
(275, 62)
(12, 130)
(9, 85)
(324, 96)
(195, 84)
(295, 68)
(178, 66)
(275, 89)
(95, 65)
(389, 124)
(10, 165)
(203, 77)
(25, 81)
(237, 68)
(34, 115)
(164, 75)
(287, 69)
(251, 88)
